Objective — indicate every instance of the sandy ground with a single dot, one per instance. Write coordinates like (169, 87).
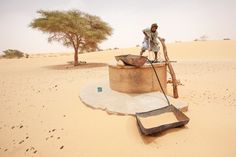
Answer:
(41, 113)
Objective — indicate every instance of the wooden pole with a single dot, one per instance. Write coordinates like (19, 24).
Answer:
(172, 73)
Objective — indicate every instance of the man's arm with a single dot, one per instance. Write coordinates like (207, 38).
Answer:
(145, 32)
(161, 39)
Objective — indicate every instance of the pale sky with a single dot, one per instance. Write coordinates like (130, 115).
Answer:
(178, 20)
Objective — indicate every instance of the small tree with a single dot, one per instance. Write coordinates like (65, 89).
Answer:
(12, 54)
(203, 38)
(73, 28)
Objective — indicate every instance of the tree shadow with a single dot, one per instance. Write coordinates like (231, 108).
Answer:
(70, 66)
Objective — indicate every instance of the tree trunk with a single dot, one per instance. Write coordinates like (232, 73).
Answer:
(76, 62)
(172, 73)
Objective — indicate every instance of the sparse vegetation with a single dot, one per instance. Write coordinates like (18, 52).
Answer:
(201, 38)
(73, 28)
(226, 39)
(178, 41)
(99, 49)
(10, 53)
(26, 55)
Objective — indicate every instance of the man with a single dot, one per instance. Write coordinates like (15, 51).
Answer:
(150, 41)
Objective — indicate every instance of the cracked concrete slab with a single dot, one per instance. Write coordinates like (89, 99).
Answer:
(100, 96)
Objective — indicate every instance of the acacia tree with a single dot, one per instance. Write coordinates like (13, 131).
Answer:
(73, 28)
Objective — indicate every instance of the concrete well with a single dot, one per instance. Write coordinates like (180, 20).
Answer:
(130, 79)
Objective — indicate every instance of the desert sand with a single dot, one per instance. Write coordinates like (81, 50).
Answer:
(41, 113)
(158, 120)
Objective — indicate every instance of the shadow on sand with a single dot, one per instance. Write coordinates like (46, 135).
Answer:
(70, 66)
(151, 138)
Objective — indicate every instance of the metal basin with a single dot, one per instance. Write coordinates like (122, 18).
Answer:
(181, 120)
(134, 60)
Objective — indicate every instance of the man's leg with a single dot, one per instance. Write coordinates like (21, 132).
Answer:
(155, 56)
(142, 51)
(156, 49)
(145, 46)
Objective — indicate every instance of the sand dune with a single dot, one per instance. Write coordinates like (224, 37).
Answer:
(203, 50)
(41, 113)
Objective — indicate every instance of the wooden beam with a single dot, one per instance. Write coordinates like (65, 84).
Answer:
(172, 73)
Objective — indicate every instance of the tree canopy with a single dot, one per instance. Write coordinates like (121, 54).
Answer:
(73, 28)
(11, 53)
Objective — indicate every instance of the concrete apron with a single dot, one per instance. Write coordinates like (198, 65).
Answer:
(100, 96)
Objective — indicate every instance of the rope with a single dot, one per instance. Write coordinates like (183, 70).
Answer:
(159, 81)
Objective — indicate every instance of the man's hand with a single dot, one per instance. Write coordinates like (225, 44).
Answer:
(161, 39)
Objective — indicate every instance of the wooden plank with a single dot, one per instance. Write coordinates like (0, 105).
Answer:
(172, 73)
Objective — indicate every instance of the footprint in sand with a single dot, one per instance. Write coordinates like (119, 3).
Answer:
(21, 141)
(50, 131)
(31, 150)
(53, 136)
